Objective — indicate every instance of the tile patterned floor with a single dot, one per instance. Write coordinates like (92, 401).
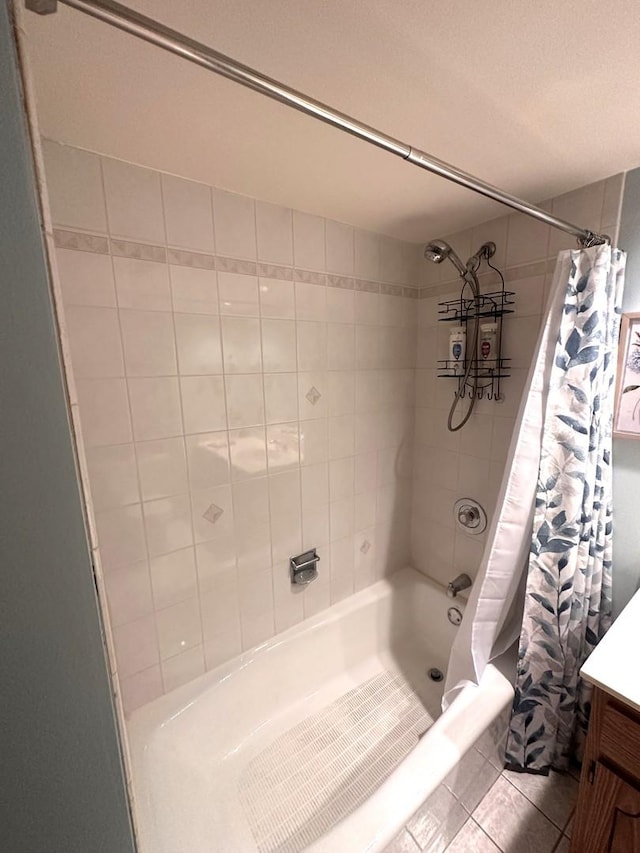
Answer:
(480, 811)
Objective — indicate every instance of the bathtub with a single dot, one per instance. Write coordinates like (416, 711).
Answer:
(326, 738)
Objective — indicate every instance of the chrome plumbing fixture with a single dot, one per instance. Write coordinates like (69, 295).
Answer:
(304, 567)
(458, 584)
(470, 516)
(454, 616)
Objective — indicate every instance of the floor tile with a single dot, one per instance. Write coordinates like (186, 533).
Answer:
(472, 839)
(555, 795)
(471, 779)
(402, 843)
(437, 821)
(513, 822)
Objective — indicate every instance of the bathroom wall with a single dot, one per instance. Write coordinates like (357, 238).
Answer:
(245, 380)
(470, 463)
(626, 451)
(62, 785)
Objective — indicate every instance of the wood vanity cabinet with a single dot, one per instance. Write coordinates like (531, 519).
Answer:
(608, 811)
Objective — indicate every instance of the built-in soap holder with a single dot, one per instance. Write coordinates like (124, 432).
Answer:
(304, 567)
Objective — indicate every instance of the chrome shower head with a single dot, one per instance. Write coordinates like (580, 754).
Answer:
(437, 251)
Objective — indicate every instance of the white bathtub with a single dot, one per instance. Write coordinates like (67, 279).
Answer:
(193, 750)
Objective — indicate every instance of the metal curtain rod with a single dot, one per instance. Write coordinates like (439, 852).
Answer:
(155, 33)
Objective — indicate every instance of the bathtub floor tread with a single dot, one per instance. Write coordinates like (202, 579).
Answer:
(317, 772)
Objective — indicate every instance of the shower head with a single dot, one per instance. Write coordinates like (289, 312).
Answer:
(437, 251)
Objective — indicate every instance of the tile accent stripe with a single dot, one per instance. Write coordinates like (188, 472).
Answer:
(80, 241)
(83, 242)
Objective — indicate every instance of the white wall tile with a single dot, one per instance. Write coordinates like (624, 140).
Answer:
(238, 294)
(308, 241)
(241, 345)
(86, 278)
(283, 446)
(367, 307)
(367, 255)
(188, 214)
(280, 397)
(248, 452)
(314, 441)
(340, 247)
(203, 403)
(167, 524)
(134, 202)
(141, 688)
(208, 459)
(149, 343)
(341, 305)
(279, 345)
(315, 485)
(313, 395)
(341, 346)
(245, 402)
(113, 475)
(312, 345)
(74, 182)
(311, 301)
(341, 478)
(194, 291)
(235, 228)
(222, 647)
(155, 407)
(250, 503)
(94, 339)
(173, 577)
(183, 667)
(142, 284)
(275, 233)
(198, 344)
(120, 535)
(128, 592)
(104, 411)
(277, 298)
(213, 558)
(179, 628)
(220, 607)
(162, 468)
(136, 646)
(212, 513)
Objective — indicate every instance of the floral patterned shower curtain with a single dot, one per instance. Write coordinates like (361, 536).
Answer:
(568, 594)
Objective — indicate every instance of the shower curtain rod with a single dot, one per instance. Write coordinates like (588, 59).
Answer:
(155, 33)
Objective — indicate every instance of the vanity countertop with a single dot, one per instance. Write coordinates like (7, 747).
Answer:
(613, 664)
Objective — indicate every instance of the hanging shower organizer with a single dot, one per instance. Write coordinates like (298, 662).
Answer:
(489, 374)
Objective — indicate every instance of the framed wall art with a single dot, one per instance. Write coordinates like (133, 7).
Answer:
(626, 418)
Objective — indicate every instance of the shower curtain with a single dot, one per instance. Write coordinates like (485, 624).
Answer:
(552, 534)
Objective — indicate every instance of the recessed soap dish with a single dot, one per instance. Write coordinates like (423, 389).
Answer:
(304, 567)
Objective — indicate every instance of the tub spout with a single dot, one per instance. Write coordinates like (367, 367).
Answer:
(458, 584)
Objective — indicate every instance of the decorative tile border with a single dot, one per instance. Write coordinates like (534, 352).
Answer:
(237, 266)
(138, 251)
(275, 271)
(309, 277)
(80, 242)
(199, 260)
(368, 286)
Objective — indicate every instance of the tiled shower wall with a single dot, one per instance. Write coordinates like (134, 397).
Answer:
(470, 463)
(245, 381)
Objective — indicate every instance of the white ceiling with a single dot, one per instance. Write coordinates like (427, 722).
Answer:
(537, 98)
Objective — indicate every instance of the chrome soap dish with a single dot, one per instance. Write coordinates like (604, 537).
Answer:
(304, 567)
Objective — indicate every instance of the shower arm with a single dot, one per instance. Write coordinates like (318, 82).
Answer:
(170, 40)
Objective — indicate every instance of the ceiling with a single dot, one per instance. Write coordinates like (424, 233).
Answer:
(537, 98)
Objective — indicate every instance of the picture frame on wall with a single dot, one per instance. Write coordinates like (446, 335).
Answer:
(626, 418)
